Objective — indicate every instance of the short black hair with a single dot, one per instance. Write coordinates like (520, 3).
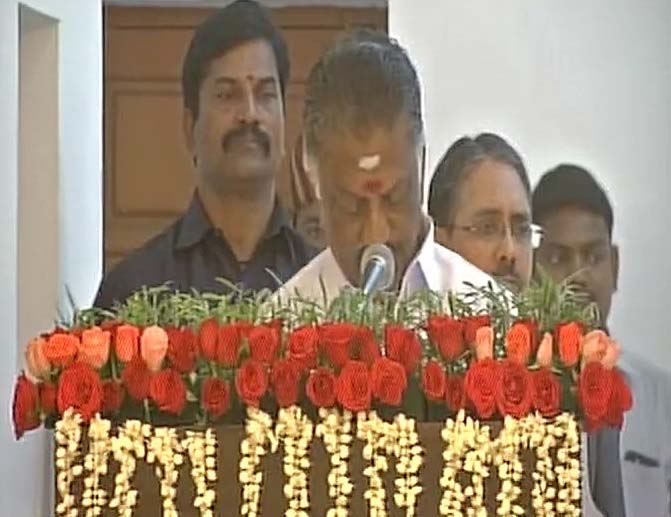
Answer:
(458, 160)
(237, 23)
(571, 185)
(364, 80)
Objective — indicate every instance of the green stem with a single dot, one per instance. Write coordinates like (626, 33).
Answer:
(147, 411)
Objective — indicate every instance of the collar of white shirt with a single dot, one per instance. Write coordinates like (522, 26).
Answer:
(433, 267)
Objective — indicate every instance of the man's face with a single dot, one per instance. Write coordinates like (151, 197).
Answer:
(490, 223)
(370, 194)
(238, 134)
(576, 244)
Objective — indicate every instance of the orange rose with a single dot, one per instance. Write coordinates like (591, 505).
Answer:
(569, 336)
(544, 355)
(153, 347)
(126, 342)
(94, 348)
(518, 343)
(594, 345)
(484, 343)
(61, 349)
(611, 356)
(36, 362)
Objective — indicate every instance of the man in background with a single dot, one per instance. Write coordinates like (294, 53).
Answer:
(480, 203)
(363, 127)
(577, 221)
(233, 84)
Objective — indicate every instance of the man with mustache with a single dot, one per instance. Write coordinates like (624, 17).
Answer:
(479, 199)
(364, 137)
(234, 78)
(577, 245)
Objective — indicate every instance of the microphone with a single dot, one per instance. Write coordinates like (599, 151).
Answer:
(378, 268)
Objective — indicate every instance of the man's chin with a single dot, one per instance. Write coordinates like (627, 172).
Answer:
(509, 281)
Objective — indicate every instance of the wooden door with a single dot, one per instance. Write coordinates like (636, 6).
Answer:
(148, 173)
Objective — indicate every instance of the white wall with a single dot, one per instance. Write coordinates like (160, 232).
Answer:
(24, 469)
(585, 82)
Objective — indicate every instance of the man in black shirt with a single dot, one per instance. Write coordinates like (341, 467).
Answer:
(234, 78)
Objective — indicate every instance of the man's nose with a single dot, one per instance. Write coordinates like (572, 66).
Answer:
(376, 226)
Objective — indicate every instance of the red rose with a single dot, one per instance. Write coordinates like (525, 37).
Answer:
(513, 397)
(353, 387)
(364, 346)
(182, 349)
(620, 400)
(285, 377)
(228, 344)
(215, 396)
(321, 387)
(251, 382)
(335, 341)
(264, 342)
(518, 343)
(568, 336)
(481, 383)
(80, 388)
(403, 346)
(208, 337)
(595, 389)
(472, 324)
(455, 392)
(25, 412)
(48, 397)
(447, 335)
(302, 347)
(113, 396)
(545, 392)
(388, 381)
(433, 381)
(167, 390)
(136, 377)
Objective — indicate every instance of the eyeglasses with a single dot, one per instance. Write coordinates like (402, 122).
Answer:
(491, 231)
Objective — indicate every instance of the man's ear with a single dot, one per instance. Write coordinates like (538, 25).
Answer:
(188, 123)
(615, 260)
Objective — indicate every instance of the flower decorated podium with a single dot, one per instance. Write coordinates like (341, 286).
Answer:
(176, 404)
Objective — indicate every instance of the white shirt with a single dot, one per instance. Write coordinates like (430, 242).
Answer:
(434, 267)
(645, 442)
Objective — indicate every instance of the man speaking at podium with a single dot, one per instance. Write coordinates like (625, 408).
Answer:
(364, 134)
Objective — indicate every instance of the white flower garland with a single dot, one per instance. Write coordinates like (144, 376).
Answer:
(68, 438)
(335, 429)
(467, 448)
(128, 447)
(294, 430)
(202, 449)
(166, 450)
(94, 497)
(409, 454)
(507, 460)
(258, 433)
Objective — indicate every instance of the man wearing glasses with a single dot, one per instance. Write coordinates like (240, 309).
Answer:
(480, 201)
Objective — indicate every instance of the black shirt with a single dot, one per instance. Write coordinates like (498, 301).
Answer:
(191, 253)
